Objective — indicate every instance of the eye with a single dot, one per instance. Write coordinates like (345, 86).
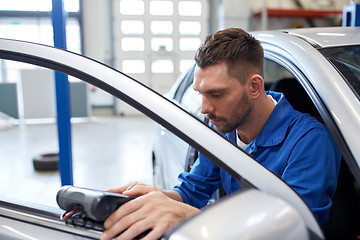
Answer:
(216, 95)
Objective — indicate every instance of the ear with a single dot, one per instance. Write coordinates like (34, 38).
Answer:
(256, 85)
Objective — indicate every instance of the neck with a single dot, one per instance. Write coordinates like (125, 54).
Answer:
(262, 108)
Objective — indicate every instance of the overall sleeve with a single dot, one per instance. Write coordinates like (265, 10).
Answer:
(197, 186)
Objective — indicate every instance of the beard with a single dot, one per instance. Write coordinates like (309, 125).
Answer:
(238, 115)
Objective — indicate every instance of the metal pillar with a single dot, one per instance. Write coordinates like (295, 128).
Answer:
(62, 97)
(351, 15)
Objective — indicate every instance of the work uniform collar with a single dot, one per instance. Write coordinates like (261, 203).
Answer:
(275, 128)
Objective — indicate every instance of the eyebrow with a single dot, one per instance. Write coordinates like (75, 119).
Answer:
(210, 91)
(195, 89)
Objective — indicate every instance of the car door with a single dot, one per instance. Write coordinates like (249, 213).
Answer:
(184, 125)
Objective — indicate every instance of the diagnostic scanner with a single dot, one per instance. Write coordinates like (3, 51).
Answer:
(94, 204)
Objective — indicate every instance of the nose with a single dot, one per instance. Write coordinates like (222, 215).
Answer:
(206, 107)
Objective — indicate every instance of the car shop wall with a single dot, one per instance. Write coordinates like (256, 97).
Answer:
(30, 21)
(100, 34)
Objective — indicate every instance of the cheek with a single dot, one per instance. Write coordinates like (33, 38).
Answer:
(225, 106)
(238, 104)
(233, 101)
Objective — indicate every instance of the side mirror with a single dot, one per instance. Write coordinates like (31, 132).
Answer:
(250, 214)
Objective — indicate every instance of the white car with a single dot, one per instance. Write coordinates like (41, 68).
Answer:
(325, 61)
(289, 69)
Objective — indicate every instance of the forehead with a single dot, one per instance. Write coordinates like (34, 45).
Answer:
(213, 78)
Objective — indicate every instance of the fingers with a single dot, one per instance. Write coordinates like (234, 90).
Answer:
(156, 233)
(124, 188)
(132, 186)
(121, 219)
(122, 212)
(144, 227)
(147, 233)
(136, 190)
(138, 229)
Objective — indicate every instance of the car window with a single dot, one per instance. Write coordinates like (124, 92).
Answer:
(279, 79)
(101, 142)
(191, 101)
(185, 83)
(187, 97)
(273, 72)
(347, 61)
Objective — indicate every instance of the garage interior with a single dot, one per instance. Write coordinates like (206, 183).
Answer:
(111, 142)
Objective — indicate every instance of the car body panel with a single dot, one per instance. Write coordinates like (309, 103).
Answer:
(167, 146)
(255, 210)
(327, 36)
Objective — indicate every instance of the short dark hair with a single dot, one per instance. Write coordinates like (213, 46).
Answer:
(241, 52)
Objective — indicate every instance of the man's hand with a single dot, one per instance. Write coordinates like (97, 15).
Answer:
(152, 210)
(134, 189)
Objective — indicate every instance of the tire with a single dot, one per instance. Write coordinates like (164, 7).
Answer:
(46, 162)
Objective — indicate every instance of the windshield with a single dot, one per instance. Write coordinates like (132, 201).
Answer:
(347, 61)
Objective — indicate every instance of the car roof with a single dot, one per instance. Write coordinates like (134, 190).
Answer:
(327, 36)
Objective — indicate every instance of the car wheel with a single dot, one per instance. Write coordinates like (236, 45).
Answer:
(46, 162)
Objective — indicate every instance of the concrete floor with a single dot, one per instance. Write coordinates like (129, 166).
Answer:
(107, 152)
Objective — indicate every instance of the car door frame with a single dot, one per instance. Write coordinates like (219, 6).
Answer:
(224, 154)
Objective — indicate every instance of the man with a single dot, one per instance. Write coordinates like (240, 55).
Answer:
(229, 76)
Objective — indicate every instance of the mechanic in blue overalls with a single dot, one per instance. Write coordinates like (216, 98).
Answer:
(293, 145)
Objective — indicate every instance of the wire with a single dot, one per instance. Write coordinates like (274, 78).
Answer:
(68, 214)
